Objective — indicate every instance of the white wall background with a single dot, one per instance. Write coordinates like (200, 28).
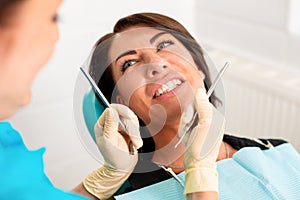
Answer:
(266, 31)
(257, 30)
(261, 40)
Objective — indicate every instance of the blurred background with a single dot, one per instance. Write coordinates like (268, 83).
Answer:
(260, 40)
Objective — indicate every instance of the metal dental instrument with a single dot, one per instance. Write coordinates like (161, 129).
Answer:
(169, 170)
(209, 92)
(217, 79)
(104, 100)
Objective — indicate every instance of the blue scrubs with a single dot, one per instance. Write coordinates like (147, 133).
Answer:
(22, 171)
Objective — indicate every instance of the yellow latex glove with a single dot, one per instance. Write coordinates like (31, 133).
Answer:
(202, 146)
(119, 163)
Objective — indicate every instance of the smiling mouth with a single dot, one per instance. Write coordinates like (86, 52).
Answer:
(167, 87)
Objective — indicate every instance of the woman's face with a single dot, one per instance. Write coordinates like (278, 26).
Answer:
(154, 74)
(26, 43)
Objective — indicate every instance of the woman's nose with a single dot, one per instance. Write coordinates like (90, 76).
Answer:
(157, 66)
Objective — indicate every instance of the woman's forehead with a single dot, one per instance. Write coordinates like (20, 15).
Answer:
(137, 38)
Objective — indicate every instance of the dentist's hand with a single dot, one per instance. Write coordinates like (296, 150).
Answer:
(200, 159)
(114, 147)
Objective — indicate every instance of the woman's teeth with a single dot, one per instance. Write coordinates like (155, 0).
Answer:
(167, 87)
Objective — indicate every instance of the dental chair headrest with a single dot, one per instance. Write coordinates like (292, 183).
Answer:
(92, 109)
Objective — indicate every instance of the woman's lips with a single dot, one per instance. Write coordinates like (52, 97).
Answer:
(167, 87)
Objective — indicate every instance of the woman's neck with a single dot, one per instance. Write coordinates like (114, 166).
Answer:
(165, 136)
(165, 152)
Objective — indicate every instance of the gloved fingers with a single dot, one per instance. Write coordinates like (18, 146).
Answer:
(203, 106)
(133, 133)
(116, 154)
(131, 123)
(216, 132)
(106, 131)
(112, 139)
(125, 112)
(186, 118)
(112, 144)
(106, 124)
(195, 141)
(212, 144)
(205, 139)
(208, 133)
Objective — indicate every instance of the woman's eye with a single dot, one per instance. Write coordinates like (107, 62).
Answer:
(164, 44)
(128, 64)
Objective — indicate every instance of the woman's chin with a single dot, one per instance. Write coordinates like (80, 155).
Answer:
(26, 99)
(8, 111)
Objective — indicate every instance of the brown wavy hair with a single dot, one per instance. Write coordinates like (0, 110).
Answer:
(7, 8)
(104, 73)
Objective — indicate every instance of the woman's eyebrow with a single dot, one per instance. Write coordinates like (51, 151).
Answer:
(130, 52)
(154, 38)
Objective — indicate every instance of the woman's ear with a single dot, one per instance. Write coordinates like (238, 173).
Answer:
(120, 100)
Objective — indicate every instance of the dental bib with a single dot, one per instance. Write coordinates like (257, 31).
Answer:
(256, 174)
(250, 174)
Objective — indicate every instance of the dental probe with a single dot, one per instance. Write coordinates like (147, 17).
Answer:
(209, 92)
(104, 100)
(172, 173)
(217, 79)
